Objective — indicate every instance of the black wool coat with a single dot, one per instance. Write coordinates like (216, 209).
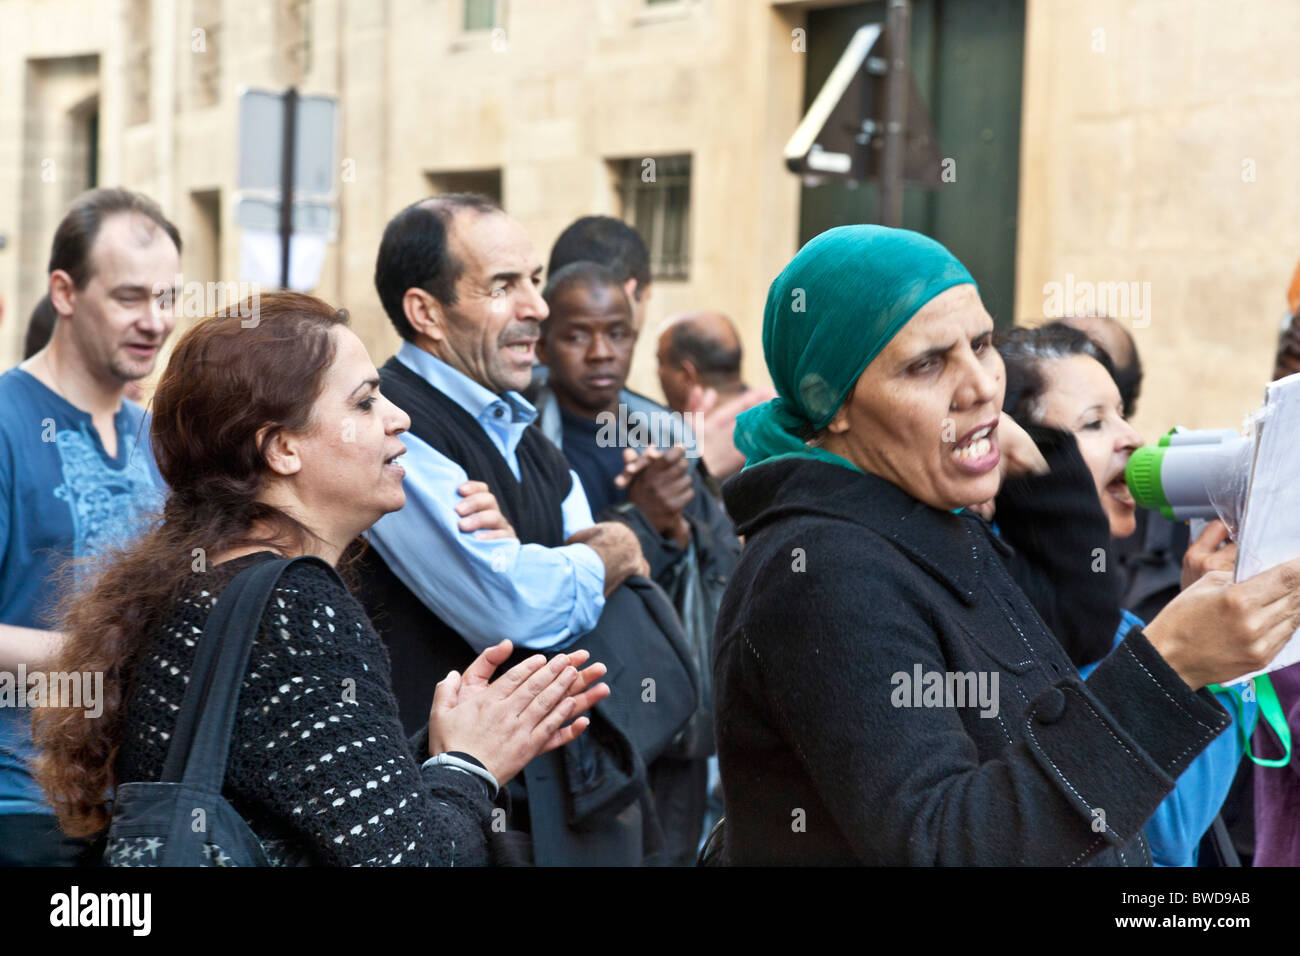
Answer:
(847, 590)
(1063, 557)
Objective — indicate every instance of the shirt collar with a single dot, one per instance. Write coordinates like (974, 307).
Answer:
(463, 390)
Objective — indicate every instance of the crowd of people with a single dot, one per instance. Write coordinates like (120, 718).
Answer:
(538, 617)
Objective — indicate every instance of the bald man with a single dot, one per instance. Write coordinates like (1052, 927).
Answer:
(699, 349)
(699, 370)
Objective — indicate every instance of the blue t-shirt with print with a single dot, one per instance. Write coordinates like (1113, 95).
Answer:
(63, 498)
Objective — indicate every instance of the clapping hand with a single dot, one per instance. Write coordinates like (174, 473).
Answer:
(532, 708)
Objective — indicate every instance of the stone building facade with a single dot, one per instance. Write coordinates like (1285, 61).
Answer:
(1157, 142)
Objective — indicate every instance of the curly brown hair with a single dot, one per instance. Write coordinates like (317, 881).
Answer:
(262, 364)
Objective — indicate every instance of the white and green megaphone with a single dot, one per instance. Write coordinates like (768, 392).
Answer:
(1191, 474)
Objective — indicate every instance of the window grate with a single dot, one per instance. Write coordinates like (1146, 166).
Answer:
(656, 199)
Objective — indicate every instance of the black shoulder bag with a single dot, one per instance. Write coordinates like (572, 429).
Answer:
(183, 820)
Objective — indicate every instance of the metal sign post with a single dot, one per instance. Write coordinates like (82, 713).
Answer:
(868, 122)
(286, 181)
(287, 199)
(898, 27)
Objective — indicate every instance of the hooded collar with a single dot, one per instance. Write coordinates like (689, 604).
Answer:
(952, 548)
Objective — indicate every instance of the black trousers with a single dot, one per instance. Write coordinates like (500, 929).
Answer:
(680, 789)
(34, 839)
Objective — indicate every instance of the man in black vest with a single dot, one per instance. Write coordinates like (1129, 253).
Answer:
(460, 281)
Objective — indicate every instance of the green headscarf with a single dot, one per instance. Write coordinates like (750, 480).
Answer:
(829, 313)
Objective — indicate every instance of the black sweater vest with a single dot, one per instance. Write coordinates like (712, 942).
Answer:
(422, 646)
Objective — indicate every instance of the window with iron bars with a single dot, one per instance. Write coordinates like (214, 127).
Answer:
(655, 193)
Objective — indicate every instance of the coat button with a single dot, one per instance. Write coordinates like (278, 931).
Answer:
(1051, 706)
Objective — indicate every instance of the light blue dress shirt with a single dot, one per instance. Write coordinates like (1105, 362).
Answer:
(539, 597)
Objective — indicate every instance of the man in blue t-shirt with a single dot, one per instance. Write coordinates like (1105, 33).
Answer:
(76, 471)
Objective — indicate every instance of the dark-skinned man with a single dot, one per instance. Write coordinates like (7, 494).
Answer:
(631, 455)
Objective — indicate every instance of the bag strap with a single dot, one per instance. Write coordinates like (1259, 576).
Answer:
(1270, 708)
(1223, 842)
(201, 740)
(1270, 712)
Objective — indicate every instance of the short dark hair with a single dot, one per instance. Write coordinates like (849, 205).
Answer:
(609, 241)
(413, 254)
(710, 356)
(76, 234)
(40, 327)
(578, 275)
(1024, 350)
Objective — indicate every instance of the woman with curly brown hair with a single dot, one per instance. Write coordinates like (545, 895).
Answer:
(275, 441)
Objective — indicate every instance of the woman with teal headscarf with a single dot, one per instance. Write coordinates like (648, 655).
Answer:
(885, 693)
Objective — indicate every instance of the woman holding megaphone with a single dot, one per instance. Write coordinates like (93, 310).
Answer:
(869, 609)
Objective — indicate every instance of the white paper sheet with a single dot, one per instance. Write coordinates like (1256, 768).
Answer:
(1270, 529)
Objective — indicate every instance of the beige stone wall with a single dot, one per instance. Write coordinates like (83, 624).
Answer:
(1161, 142)
(50, 63)
(1135, 164)
(576, 85)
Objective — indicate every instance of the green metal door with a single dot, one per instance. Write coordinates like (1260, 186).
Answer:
(968, 59)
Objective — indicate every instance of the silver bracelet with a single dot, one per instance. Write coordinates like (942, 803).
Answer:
(464, 766)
